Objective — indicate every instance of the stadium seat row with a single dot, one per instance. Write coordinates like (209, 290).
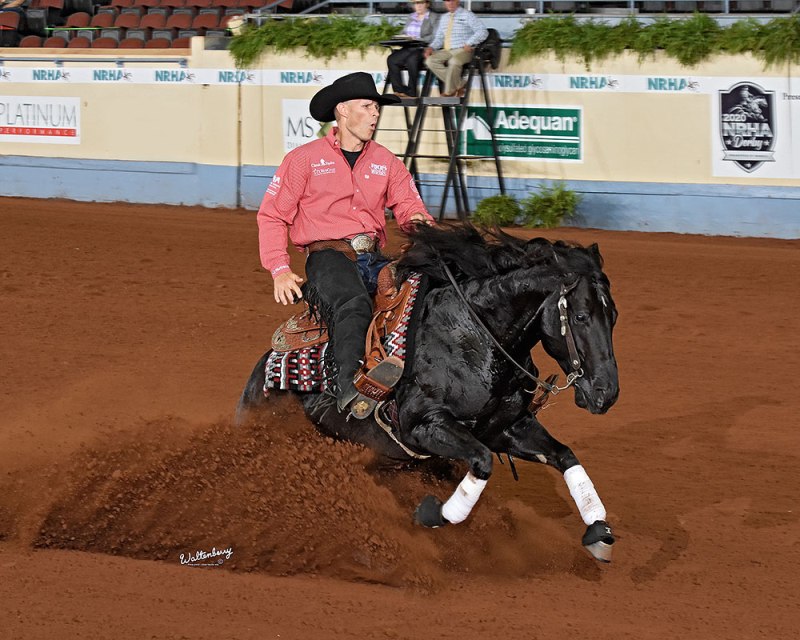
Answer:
(80, 42)
(205, 19)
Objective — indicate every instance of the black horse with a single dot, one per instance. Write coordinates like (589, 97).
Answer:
(467, 388)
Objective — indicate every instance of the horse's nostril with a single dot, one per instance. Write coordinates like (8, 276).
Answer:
(599, 395)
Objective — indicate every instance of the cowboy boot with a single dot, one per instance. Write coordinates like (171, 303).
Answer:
(375, 386)
(347, 391)
(350, 330)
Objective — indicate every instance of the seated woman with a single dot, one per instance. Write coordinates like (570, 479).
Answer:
(421, 25)
(18, 6)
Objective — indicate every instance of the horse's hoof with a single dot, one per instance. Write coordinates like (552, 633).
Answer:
(599, 540)
(429, 513)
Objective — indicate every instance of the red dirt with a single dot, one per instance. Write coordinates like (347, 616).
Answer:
(128, 332)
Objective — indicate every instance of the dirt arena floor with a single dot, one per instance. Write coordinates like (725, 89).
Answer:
(129, 331)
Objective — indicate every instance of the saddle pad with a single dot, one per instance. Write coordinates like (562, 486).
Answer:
(299, 370)
(395, 342)
(304, 369)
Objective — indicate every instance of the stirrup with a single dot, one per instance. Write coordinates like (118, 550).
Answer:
(375, 386)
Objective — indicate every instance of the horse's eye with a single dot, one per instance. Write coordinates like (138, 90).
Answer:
(582, 318)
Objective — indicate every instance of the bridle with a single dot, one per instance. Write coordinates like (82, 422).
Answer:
(543, 387)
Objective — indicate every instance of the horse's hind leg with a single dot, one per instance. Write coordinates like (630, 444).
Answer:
(527, 439)
(252, 397)
(439, 434)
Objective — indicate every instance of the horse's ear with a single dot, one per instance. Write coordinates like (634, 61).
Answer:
(594, 250)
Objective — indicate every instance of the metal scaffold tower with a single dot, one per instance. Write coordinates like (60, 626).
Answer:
(455, 114)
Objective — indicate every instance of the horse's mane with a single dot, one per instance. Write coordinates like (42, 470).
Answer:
(478, 252)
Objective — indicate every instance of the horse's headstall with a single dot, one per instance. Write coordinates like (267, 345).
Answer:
(566, 288)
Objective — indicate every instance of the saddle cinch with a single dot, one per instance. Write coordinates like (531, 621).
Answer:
(300, 344)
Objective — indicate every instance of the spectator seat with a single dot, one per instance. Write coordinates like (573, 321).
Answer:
(127, 21)
(205, 21)
(102, 20)
(105, 43)
(153, 21)
(30, 42)
(79, 42)
(77, 20)
(131, 43)
(179, 21)
(158, 43)
(53, 42)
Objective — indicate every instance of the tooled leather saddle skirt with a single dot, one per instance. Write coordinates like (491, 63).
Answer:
(299, 345)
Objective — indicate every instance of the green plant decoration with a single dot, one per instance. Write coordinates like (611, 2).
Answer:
(500, 210)
(323, 38)
(690, 41)
(780, 41)
(550, 206)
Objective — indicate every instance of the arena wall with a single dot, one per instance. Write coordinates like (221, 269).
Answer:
(649, 146)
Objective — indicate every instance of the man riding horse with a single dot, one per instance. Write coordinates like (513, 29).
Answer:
(469, 388)
(329, 196)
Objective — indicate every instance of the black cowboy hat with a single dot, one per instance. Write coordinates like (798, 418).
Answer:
(350, 87)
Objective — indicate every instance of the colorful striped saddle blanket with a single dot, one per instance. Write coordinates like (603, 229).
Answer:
(300, 345)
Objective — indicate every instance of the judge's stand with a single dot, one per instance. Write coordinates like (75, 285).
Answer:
(421, 138)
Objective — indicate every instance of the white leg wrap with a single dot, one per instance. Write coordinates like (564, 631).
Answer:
(583, 493)
(466, 495)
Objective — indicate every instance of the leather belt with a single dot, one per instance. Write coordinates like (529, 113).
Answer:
(351, 247)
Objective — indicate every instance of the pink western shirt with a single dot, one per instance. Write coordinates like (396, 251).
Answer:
(314, 195)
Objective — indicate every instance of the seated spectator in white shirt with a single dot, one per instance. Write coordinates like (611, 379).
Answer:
(458, 34)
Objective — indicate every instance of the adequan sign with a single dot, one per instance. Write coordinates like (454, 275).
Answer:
(553, 133)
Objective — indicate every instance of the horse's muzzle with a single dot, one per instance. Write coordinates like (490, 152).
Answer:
(596, 397)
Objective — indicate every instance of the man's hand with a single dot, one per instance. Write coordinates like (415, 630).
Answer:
(421, 217)
(428, 51)
(468, 48)
(287, 287)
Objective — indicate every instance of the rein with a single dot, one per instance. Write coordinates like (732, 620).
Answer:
(549, 385)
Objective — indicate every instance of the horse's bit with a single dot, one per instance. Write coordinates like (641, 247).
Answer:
(549, 385)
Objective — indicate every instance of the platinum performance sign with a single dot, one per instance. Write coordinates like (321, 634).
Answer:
(526, 132)
(51, 120)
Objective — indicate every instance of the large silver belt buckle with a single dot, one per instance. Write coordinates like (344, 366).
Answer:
(362, 243)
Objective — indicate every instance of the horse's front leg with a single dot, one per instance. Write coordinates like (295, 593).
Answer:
(527, 439)
(441, 435)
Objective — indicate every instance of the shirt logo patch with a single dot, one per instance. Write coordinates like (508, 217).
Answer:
(323, 167)
(274, 186)
(378, 169)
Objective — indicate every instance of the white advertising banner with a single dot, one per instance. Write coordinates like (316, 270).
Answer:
(754, 129)
(51, 120)
(298, 125)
